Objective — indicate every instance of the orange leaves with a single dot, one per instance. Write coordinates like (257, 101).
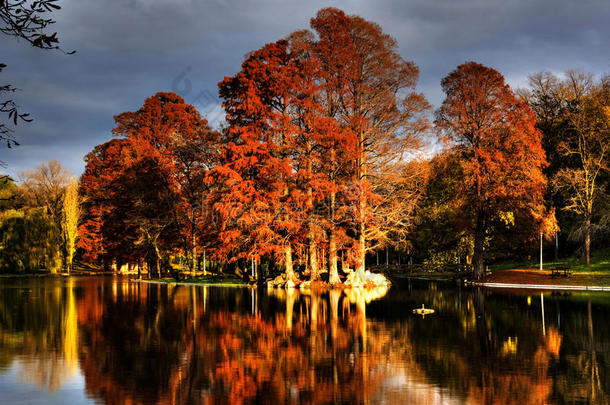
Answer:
(502, 148)
(148, 186)
(494, 135)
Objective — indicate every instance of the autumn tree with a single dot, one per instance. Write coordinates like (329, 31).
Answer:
(145, 191)
(175, 137)
(131, 210)
(335, 110)
(257, 187)
(99, 238)
(501, 152)
(371, 91)
(70, 218)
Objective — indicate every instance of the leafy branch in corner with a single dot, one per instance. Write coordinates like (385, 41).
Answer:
(27, 20)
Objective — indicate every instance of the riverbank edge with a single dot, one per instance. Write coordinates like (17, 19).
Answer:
(233, 285)
(241, 285)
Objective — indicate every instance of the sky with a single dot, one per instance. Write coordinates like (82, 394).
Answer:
(128, 50)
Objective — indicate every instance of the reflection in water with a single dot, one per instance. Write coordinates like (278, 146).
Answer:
(39, 333)
(161, 344)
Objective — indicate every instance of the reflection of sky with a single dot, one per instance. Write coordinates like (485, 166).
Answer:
(412, 390)
(15, 390)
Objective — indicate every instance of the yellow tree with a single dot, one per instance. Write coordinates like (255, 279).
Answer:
(70, 218)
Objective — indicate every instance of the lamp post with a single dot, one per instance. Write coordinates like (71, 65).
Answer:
(540, 250)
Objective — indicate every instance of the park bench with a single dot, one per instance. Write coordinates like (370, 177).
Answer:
(560, 271)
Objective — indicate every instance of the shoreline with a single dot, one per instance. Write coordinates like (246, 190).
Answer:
(499, 279)
(233, 285)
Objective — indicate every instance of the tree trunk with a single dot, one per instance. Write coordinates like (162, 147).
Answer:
(333, 271)
(193, 257)
(290, 276)
(361, 240)
(314, 270)
(361, 254)
(588, 241)
(479, 239)
(361, 174)
(193, 247)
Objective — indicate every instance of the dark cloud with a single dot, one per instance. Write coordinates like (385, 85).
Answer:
(129, 49)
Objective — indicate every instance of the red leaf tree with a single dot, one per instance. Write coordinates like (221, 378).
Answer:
(257, 202)
(500, 149)
(370, 90)
(148, 185)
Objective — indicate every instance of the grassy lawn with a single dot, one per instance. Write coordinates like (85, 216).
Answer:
(600, 264)
(598, 274)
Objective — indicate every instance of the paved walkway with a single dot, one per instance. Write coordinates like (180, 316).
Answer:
(543, 286)
(543, 280)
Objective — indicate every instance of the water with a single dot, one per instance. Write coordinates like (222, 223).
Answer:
(110, 341)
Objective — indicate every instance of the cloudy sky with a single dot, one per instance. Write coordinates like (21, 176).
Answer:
(128, 50)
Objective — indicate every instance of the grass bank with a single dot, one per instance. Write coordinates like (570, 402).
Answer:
(597, 274)
(210, 279)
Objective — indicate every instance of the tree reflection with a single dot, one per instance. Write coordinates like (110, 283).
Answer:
(161, 344)
(492, 348)
(39, 333)
(308, 352)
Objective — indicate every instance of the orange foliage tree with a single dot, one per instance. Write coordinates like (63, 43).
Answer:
(501, 153)
(370, 89)
(145, 191)
(318, 125)
(98, 240)
(257, 199)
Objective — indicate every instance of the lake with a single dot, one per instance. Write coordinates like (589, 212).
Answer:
(106, 340)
